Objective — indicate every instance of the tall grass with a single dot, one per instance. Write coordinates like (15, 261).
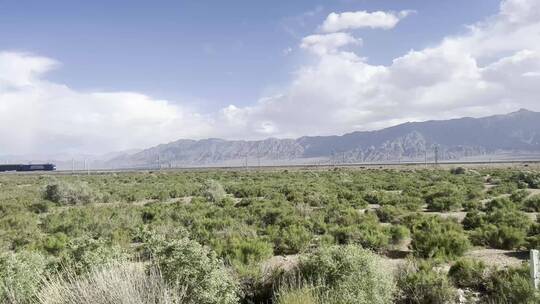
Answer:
(116, 283)
(302, 294)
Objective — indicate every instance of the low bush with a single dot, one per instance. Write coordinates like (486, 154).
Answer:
(532, 204)
(364, 230)
(347, 274)
(433, 237)
(501, 228)
(390, 214)
(398, 234)
(458, 170)
(473, 220)
(20, 276)
(445, 197)
(530, 179)
(84, 253)
(214, 191)
(472, 205)
(511, 285)
(444, 204)
(499, 236)
(466, 273)
(519, 196)
(292, 239)
(76, 193)
(186, 263)
(500, 203)
(420, 282)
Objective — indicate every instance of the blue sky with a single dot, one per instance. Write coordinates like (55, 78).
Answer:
(101, 76)
(208, 53)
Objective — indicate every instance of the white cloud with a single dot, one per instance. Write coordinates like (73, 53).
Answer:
(488, 70)
(362, 19)
(328, 43)
(40, 116)
(18, 69)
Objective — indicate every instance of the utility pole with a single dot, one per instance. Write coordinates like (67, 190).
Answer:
(72, 166)
(535, 268)
(87, 167)
(258, 156)
(436, 155)
(158, 162)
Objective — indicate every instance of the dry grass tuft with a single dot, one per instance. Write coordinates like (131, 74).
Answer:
(116, 283)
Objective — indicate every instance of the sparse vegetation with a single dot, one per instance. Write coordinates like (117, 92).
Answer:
(317, 236)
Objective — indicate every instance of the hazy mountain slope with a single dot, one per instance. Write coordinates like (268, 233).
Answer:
(456, 138)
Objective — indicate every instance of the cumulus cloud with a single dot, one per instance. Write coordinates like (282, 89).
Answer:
(362, 19)
(492, 68)
(328, 43)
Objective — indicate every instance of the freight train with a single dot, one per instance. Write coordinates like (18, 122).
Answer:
(27, 168)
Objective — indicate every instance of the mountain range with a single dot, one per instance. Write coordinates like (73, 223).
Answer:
(516, 134)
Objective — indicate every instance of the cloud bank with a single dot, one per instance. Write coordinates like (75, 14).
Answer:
(492, 68)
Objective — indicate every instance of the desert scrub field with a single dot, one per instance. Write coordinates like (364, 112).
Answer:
(288, 237)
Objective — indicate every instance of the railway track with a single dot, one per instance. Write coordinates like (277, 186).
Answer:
(382, 165)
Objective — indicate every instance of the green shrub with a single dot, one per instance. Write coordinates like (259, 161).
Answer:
(78, 193)
(84, 253)
(519, 196)
(348, 274)
(55, 243)
(39, 207)
(246, 251)
(472, 205)
(501, 228)
(500, 203)
(458, 170)
(473, 220)
(500, 237)
(419, 283)
(433, 237)
(531, 179)
(511, 286)
(186, 263)
(20, 276)
(503, 188)
(443, 204)
(292, 239)
(399, 233)
(444, 196)
(214, 191)
(532, 204)
(390, 214)
(466, 273)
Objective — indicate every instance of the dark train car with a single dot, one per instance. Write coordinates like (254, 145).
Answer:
(27, 168)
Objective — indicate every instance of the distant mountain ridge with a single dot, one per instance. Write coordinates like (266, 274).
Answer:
(517, 132)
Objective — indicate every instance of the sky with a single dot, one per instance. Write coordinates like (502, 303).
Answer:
(103, 76)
